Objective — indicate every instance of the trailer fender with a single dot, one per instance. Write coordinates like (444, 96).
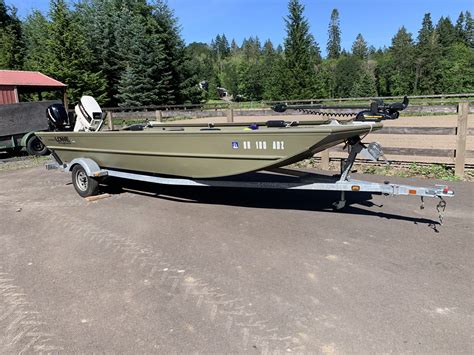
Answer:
(25, 138)
(90, 166)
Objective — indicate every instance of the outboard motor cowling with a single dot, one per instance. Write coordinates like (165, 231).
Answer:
(89, 116)
(58, 118)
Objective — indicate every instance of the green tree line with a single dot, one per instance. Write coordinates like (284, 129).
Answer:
(131, 53)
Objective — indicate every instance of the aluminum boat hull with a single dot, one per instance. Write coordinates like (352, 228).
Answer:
(201, 153)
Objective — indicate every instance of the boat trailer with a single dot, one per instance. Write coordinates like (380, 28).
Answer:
(87, 174)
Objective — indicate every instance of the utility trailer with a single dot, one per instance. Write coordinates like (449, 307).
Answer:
(87, 175)
(18, 124)
(20, 119)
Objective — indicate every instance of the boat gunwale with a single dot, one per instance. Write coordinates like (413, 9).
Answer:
(324, 129)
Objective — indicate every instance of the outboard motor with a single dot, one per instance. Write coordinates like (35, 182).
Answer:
(58, 118)
(89, 116)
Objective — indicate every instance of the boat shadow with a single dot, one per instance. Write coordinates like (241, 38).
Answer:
(357, 203)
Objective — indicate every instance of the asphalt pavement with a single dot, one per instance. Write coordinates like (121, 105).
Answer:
(198, 270)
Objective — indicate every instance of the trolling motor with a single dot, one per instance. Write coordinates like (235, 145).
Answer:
(378, 110)
(89, 116)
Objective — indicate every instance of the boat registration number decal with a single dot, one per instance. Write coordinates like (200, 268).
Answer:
(279, 145)
(259, 145)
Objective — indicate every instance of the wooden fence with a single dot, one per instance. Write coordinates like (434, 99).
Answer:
(442, 134)
(419, 100)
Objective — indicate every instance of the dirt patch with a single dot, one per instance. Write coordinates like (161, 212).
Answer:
(8, 163)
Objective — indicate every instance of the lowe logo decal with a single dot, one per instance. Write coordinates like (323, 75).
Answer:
(62, 140)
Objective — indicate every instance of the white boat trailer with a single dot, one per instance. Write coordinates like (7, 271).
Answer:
(88, 171)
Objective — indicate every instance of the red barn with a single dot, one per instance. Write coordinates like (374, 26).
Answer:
(13, 81)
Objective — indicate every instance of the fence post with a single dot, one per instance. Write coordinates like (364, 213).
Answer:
(325, 159)
(158, 115)
(230, 115)
(461, 133)
(110, 120)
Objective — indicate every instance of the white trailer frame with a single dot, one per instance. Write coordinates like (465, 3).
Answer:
(301, 181)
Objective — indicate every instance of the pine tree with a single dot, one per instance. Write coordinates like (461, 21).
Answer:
(402, 54)
(167, 33)
(459, 28)
(11, 38)
(142, 82)
(383, 72)
(334, 40)
(251, 48)
(99, 21)
(428, 54)
(327, 71)
(68, 58)
(36, 29)
(425, 34)
(268, 61)
(359, 47)
(276, 87)
(300, 54)
(457, 70)
(365, 85)
(130, 91)
(446, 33)
(199, 67)
(224, 47)
(469, 29)
(234, 47)
(347, 74)
(221, 47)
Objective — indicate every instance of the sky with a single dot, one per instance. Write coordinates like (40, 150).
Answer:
(376, 20)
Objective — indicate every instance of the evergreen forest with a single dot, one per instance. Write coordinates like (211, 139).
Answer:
(131, 53)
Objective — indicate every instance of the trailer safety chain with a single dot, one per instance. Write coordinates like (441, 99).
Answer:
(441, 207)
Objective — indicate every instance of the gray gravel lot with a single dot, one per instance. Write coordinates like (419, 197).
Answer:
(155, 269)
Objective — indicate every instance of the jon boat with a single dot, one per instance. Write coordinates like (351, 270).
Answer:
(202, 151)
(198, 155)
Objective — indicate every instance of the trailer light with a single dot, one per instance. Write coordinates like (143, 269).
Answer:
(446, 190)
(355, 188)
(412, 192)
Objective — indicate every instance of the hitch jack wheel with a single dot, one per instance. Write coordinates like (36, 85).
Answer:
(341, 204)
(85, 185)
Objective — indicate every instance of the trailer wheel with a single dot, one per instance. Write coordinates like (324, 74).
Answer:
(35, 147)
(83, 183)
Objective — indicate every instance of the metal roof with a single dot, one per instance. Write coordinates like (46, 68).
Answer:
(28, 78)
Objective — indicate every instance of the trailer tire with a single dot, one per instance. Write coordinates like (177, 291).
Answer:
(84, 184)
(34, 146)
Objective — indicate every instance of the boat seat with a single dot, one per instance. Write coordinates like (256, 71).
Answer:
(276, 123)
(134, 127)
(173, 129)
